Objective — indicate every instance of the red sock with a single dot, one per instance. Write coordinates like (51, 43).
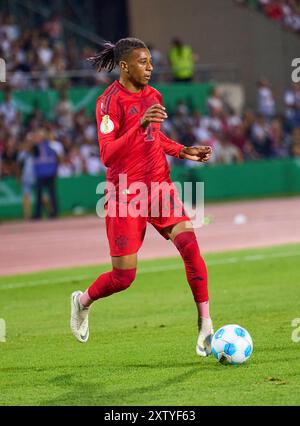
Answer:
(111, 282)
(196, 272)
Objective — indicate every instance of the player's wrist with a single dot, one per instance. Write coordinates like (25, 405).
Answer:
(182, 152)
(144, 123)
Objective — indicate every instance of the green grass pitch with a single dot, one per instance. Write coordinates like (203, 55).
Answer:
(142, 343)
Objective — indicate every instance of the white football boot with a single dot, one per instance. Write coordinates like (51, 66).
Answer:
(79, 318)
(203, 347)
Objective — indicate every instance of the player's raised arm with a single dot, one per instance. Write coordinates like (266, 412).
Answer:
(169, 146)
(196, 153)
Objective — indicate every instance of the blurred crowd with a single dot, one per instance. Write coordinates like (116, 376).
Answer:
(44, 57)
(285, 11)
(262, 133)
(73, 136)
(252, 135)
(36, 57)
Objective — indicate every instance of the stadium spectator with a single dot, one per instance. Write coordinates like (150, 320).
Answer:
(45, 163)
(9, 156)
(65, 167)
(25, 163)
(292, 106)
(214, 102)
(157, 61)
(238, 137)
(44, 52)
(8, 108)
(64, 111)
(226, 152)
(273, 10)
(295, 142)
(278, 139)
(53, 28)
(76, 160)
(285, 11)
(260, 137)
(73, 134)
(265, 99)
(182, 61)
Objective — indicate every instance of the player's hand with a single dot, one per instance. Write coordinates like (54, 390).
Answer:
(155, 114)
(196, 153)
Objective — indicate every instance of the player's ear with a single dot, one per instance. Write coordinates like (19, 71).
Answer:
(123, 66)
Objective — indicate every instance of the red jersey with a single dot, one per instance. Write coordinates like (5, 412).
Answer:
(125, 146)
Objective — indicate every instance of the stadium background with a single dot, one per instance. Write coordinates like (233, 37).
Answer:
(241, 101)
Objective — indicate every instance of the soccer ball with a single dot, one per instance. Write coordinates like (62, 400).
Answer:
(232, 344)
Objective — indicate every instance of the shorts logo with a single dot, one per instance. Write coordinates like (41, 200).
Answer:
(121, 242)
(106, 125)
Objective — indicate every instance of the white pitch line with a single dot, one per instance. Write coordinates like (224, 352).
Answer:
(147, 270)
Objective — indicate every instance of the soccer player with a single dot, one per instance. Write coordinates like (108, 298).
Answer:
(129, 114)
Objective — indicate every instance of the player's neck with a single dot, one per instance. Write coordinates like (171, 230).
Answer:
(129, 85)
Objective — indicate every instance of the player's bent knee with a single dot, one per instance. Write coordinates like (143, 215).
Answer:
(123, 278)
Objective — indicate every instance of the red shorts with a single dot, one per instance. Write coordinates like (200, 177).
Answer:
(126, 234)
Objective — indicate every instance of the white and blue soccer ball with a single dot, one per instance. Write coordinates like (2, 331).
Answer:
(232, 344)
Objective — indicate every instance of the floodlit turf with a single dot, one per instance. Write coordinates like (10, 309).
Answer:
(142, 342)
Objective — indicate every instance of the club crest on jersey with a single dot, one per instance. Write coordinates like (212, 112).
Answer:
(106, 125)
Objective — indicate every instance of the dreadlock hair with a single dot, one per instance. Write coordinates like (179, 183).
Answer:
(111, 54)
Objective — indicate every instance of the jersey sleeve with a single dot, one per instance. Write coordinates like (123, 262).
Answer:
(112, 147)
(169, 146)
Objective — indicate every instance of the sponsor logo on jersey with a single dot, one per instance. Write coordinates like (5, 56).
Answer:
(106, 125)
(133, 111)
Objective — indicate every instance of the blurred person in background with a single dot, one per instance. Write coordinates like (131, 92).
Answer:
(53, 28)
(8, 108)
(65, 168)
(57, 67)
(273, 10)
(291, 18)
(93, 165)
(44, 52)
(214, 101)
(187, 136)
(64, 111)
(295, 142)
(226, 152)
(157, 61)
(181, 117)
(76, 161)
(25, 163)
(248, 119)
(265, 99)
(45, 162)
(182, 61)
(54, 141)
(9, 156)
(260, 137)
(292, 106)
(99, 78)
(237, 137)
(278, 139)
(10, 28)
